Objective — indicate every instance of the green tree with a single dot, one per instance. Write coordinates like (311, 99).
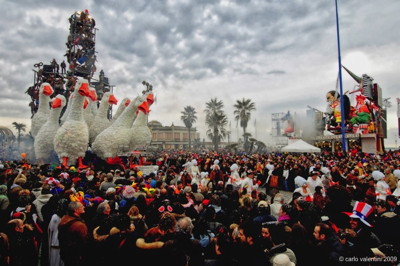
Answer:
(242, 114)
(216, 121)
(189, 118)
(19, 127)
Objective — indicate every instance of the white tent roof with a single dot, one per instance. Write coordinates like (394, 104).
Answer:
(300, 146)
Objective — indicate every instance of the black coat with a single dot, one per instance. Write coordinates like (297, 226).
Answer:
(387, 228)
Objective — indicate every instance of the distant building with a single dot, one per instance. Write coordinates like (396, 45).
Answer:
(172, 137)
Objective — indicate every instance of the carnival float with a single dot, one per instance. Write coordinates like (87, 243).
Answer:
(365, 117)
(364, 120)
(72, 111)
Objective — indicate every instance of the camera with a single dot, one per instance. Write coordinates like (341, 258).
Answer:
(343, 235)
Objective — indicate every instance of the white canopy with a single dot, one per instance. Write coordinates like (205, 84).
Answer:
(300, 146)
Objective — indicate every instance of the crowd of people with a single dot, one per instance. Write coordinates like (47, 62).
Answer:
(204, 208)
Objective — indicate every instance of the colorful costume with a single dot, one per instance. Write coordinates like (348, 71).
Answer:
(362, 114)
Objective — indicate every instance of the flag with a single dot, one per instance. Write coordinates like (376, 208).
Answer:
(82, 60)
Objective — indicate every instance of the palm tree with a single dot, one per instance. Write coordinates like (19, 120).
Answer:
(214, 105)
(216, 128)
(19, 127)
(216, 121)
(243, 113)
(261, 147)
(189, 117)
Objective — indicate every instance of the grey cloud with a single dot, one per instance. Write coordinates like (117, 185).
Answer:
(276, 72)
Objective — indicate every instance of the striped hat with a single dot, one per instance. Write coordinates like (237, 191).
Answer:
(361, 210)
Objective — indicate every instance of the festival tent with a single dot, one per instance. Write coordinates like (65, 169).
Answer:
(300, 146)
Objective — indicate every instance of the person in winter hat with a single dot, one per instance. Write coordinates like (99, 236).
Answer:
(382, 188)
(313, 181)
(248, 182)
(194, 169)
(215, 164)
(41, 200)
(302, 188)
(360, 228)
(234, 178)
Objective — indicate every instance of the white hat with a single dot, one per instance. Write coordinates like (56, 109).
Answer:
(187, 164)
(194, 162)
(111, 190)
(396, 173)
(282, 260)
(262, 203)
(234, 167)
(299, 181)
(216, 161)
(377, 175)
(325, 170)
(203, 174)
(214, 167)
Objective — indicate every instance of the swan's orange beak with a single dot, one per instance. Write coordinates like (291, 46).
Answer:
(150, 98)
(144, 107)
(56, 103)
(47, 90)
(127, 102)
(112, 99)
(84, 89)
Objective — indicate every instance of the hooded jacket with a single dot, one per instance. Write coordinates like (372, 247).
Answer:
(41, 200)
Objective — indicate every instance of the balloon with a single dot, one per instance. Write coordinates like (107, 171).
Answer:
(23, 155)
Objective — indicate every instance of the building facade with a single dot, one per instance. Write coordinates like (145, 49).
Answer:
(172, 137)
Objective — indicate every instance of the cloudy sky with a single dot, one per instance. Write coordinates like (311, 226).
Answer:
(281, 54)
